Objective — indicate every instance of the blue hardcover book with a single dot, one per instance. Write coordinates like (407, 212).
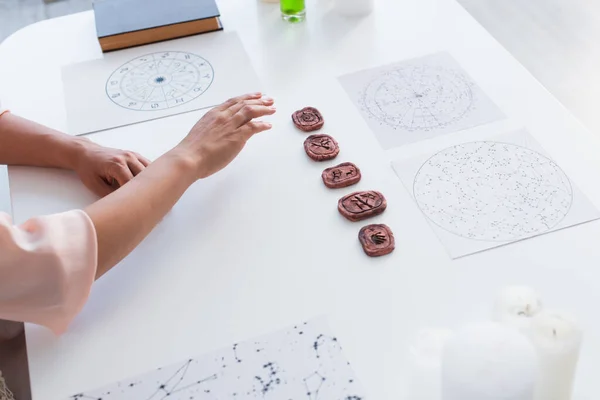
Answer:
(127, 23)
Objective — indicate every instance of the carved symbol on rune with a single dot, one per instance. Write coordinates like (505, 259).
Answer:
(322, 142)
(360, 205)
(308, 119)
(378, 238)
(361, 200)
(342, 175)
(321, 147)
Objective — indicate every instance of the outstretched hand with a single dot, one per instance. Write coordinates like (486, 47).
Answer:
(103, 170)
(124, 218)
(214, 141)
(222, 132)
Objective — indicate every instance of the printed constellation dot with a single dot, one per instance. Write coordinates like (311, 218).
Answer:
(492, 191)
(418, 97)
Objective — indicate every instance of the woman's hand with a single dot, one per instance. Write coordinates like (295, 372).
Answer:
(124, 218)
(215, 140)
(221, 133)
(103, 170)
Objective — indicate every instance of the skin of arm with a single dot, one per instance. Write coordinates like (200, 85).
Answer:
(24, 142)
(125, 217)
(101, 169)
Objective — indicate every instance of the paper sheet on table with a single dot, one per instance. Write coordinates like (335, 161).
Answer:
(484, 194)
(418, 99)
(301, 362)
(156, 81)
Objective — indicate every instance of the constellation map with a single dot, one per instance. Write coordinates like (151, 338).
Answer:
(482, 194)
(302, 362)
(419, 99)
(492, 191)
(159, 80)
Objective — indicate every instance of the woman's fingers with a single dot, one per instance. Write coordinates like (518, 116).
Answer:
(145, 162)
(218, 137)
(101, 187)
(122, 174)
(254, 127)
(264, 101)
(249, 112)
(235, 100)
(135, 166)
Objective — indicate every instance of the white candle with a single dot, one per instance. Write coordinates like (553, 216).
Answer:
(488, 361)
(557, 339)
(425, 375)
(516, 306)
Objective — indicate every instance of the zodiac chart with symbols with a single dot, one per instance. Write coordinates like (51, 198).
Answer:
(493, 191)
(419, 99)
(159, 81)
(304, 362)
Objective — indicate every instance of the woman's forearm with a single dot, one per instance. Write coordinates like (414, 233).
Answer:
(125, 217)
(24, 142)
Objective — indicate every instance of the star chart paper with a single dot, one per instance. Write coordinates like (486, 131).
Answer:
(483, 194)
(418, 99)
(156, 81)
(304, 362)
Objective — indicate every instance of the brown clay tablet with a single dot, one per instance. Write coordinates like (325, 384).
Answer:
(361, 205)
(377, 240)
(342, 175)
(321, 147)
(308, 119)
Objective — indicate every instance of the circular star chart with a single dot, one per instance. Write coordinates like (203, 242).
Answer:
(492, 191)
(159, 81)
(418, 97)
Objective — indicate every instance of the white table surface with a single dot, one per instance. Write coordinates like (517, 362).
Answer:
(557, 41)
(237, 256)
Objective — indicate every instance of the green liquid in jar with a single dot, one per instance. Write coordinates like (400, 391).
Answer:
(293, 10)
